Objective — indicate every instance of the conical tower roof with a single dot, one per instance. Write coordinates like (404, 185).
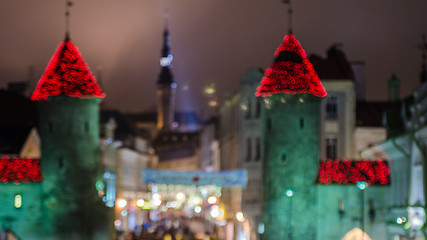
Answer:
(291, 72)
(67, 74)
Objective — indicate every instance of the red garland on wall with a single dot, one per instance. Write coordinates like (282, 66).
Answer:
(67, 74)
(291, 72)
(19, 170)
(350, 172)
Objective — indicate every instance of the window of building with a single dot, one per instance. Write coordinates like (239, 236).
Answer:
(50, 127)
(332, 107)
(17, 201)
(331, 148)
(248, 149)
(269, 124)
(249, 110)
(284, 159)
(258, 149)
(60, 163)
(258, 107)
(86, 127)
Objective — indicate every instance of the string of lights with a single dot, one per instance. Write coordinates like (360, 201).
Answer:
(350, 172)
(19, 170)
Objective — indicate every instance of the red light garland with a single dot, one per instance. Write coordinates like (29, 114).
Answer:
(291, 73)
(67, 74)
(19, 170)
(350, 172)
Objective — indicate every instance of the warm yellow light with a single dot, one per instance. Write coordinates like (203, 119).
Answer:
(240, 217)
(156, 196)
(212, 103)
(140, 203)
(195, 200)
(212, 199)
(209, 90)
(18, 201)
(122, 203)
(221, 214)
(180, 196)
(214, 211)
(157, 202)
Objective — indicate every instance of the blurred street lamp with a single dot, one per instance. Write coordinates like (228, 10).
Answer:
(290, 193)
(212, 199)
(121, 203)
(180, 196)
(240, 217)
(362, 186)
(140, 202)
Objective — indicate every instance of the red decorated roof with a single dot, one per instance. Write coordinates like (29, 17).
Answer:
(19, 170)
(350, 172)
(67, 74)
(291, 72)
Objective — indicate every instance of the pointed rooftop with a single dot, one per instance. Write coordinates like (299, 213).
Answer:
(291, 72)
(67, 74)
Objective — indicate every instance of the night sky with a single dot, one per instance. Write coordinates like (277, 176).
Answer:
(213, 41)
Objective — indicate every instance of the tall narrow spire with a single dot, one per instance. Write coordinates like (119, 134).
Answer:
(423, 48)
(289, 14)
(68, 4)
(165, 87)
(166, 60)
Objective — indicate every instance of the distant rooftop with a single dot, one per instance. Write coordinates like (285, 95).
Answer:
(174, 145)
(372, 114)
(123, 128)
(335, 66)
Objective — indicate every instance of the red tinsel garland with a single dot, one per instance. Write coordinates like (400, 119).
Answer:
(291, 77)
(67, 74)
(350, 172)
(19, 170)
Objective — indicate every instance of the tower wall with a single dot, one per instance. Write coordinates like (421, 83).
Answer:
(291, 138)
(166, 107)
(69, 131)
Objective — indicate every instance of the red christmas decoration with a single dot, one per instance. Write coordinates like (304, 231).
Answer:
(19, 170)
(291, 72)
(67, 74)
(350, 172)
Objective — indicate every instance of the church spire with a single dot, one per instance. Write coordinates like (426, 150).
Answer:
(166, 61)
(165, 87)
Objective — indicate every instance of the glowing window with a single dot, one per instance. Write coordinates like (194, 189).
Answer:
(18, 201)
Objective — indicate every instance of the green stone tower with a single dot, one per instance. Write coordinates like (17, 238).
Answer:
(291, 122)
(69, 99)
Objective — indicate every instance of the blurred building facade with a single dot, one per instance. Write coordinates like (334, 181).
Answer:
(347, 126)
(406, 151)
(47, 193)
